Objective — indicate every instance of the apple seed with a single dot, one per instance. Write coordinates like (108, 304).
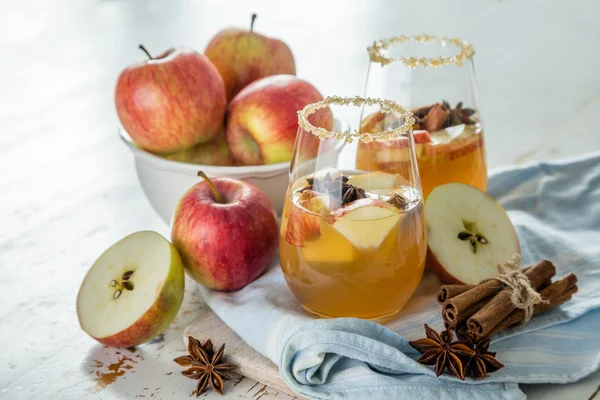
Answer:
(464, 235)
(128, 285)
(117, 294)
(127, 275)
(481, 239)
(473, 239)
(113, 283)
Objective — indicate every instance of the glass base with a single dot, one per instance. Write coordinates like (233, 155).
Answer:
(377, 318)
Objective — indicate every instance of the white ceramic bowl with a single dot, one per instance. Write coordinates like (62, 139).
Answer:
(165, 181)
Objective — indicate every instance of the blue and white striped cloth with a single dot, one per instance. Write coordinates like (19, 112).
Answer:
(555, 207)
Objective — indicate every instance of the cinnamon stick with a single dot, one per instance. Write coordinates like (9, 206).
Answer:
(449, 291)
(500, 307)
(457, 311)
(460, 304)
(553, 295)
(452, 321)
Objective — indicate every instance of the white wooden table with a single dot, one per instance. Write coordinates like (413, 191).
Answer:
(68, 188)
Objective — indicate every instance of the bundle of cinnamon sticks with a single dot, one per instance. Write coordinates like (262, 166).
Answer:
(486, 309)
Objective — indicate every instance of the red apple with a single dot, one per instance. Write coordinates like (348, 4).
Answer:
(171, 102)
(262, 120)
(214, 152)
(243, 56)
(225, 232)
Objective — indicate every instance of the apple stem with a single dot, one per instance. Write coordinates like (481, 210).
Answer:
(252, 22)
(218, 197)
(141, 47)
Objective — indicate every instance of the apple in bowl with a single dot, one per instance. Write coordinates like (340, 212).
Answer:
(132, 292)
(243, 56)
(262, 120)
(171, 102)
(214, 153)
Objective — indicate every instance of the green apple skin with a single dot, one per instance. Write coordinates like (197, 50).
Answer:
(262, 120)
(160, 315)
(215, 152)
(171, 102)
(243, 56)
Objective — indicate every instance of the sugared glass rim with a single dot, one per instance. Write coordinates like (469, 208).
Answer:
(377, 50)
(350, 135)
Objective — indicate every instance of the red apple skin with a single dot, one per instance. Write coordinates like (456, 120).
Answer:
(243, 56)
(225, 246)
(171, 102)
(262, 120)
(435, 266)
(154, 321)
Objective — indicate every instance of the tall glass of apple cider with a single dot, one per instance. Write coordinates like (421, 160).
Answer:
(434, 77)
(352, 242)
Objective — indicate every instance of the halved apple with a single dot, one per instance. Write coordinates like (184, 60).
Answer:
(377, 181)
(468, 234)
(365, 222)
(132, 292)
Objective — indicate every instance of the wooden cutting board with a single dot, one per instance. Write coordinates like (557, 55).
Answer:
(251, 364)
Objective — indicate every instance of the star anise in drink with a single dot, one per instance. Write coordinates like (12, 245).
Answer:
(441, 115)
(205, 365)
(483, 362)
(439, 350)
(337, 188)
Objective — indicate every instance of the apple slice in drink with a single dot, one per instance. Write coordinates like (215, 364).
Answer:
(132, 292)
(377, 181)
(365, 222)
(397, 151)
(304, 223)
(454, 142)
(468, 234)
(331, 254)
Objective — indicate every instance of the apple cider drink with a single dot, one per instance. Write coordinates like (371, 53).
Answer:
(422, 72)
(360, 257)
(352, 240)
(448, 147)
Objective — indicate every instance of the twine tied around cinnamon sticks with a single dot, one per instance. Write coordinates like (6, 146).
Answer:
(488, 307)
(522, 295)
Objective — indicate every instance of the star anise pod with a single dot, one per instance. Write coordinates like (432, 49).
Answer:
(483, 362)
(206, 365)
(441, 115)
(438, 350)
(337, 188)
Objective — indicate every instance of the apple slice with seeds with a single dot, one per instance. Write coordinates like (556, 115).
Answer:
(468, 234)
(377, 181)
(365, 222)
(132, 292)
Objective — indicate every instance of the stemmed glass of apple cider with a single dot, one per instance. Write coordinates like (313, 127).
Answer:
(434, 78)
(352, 238)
